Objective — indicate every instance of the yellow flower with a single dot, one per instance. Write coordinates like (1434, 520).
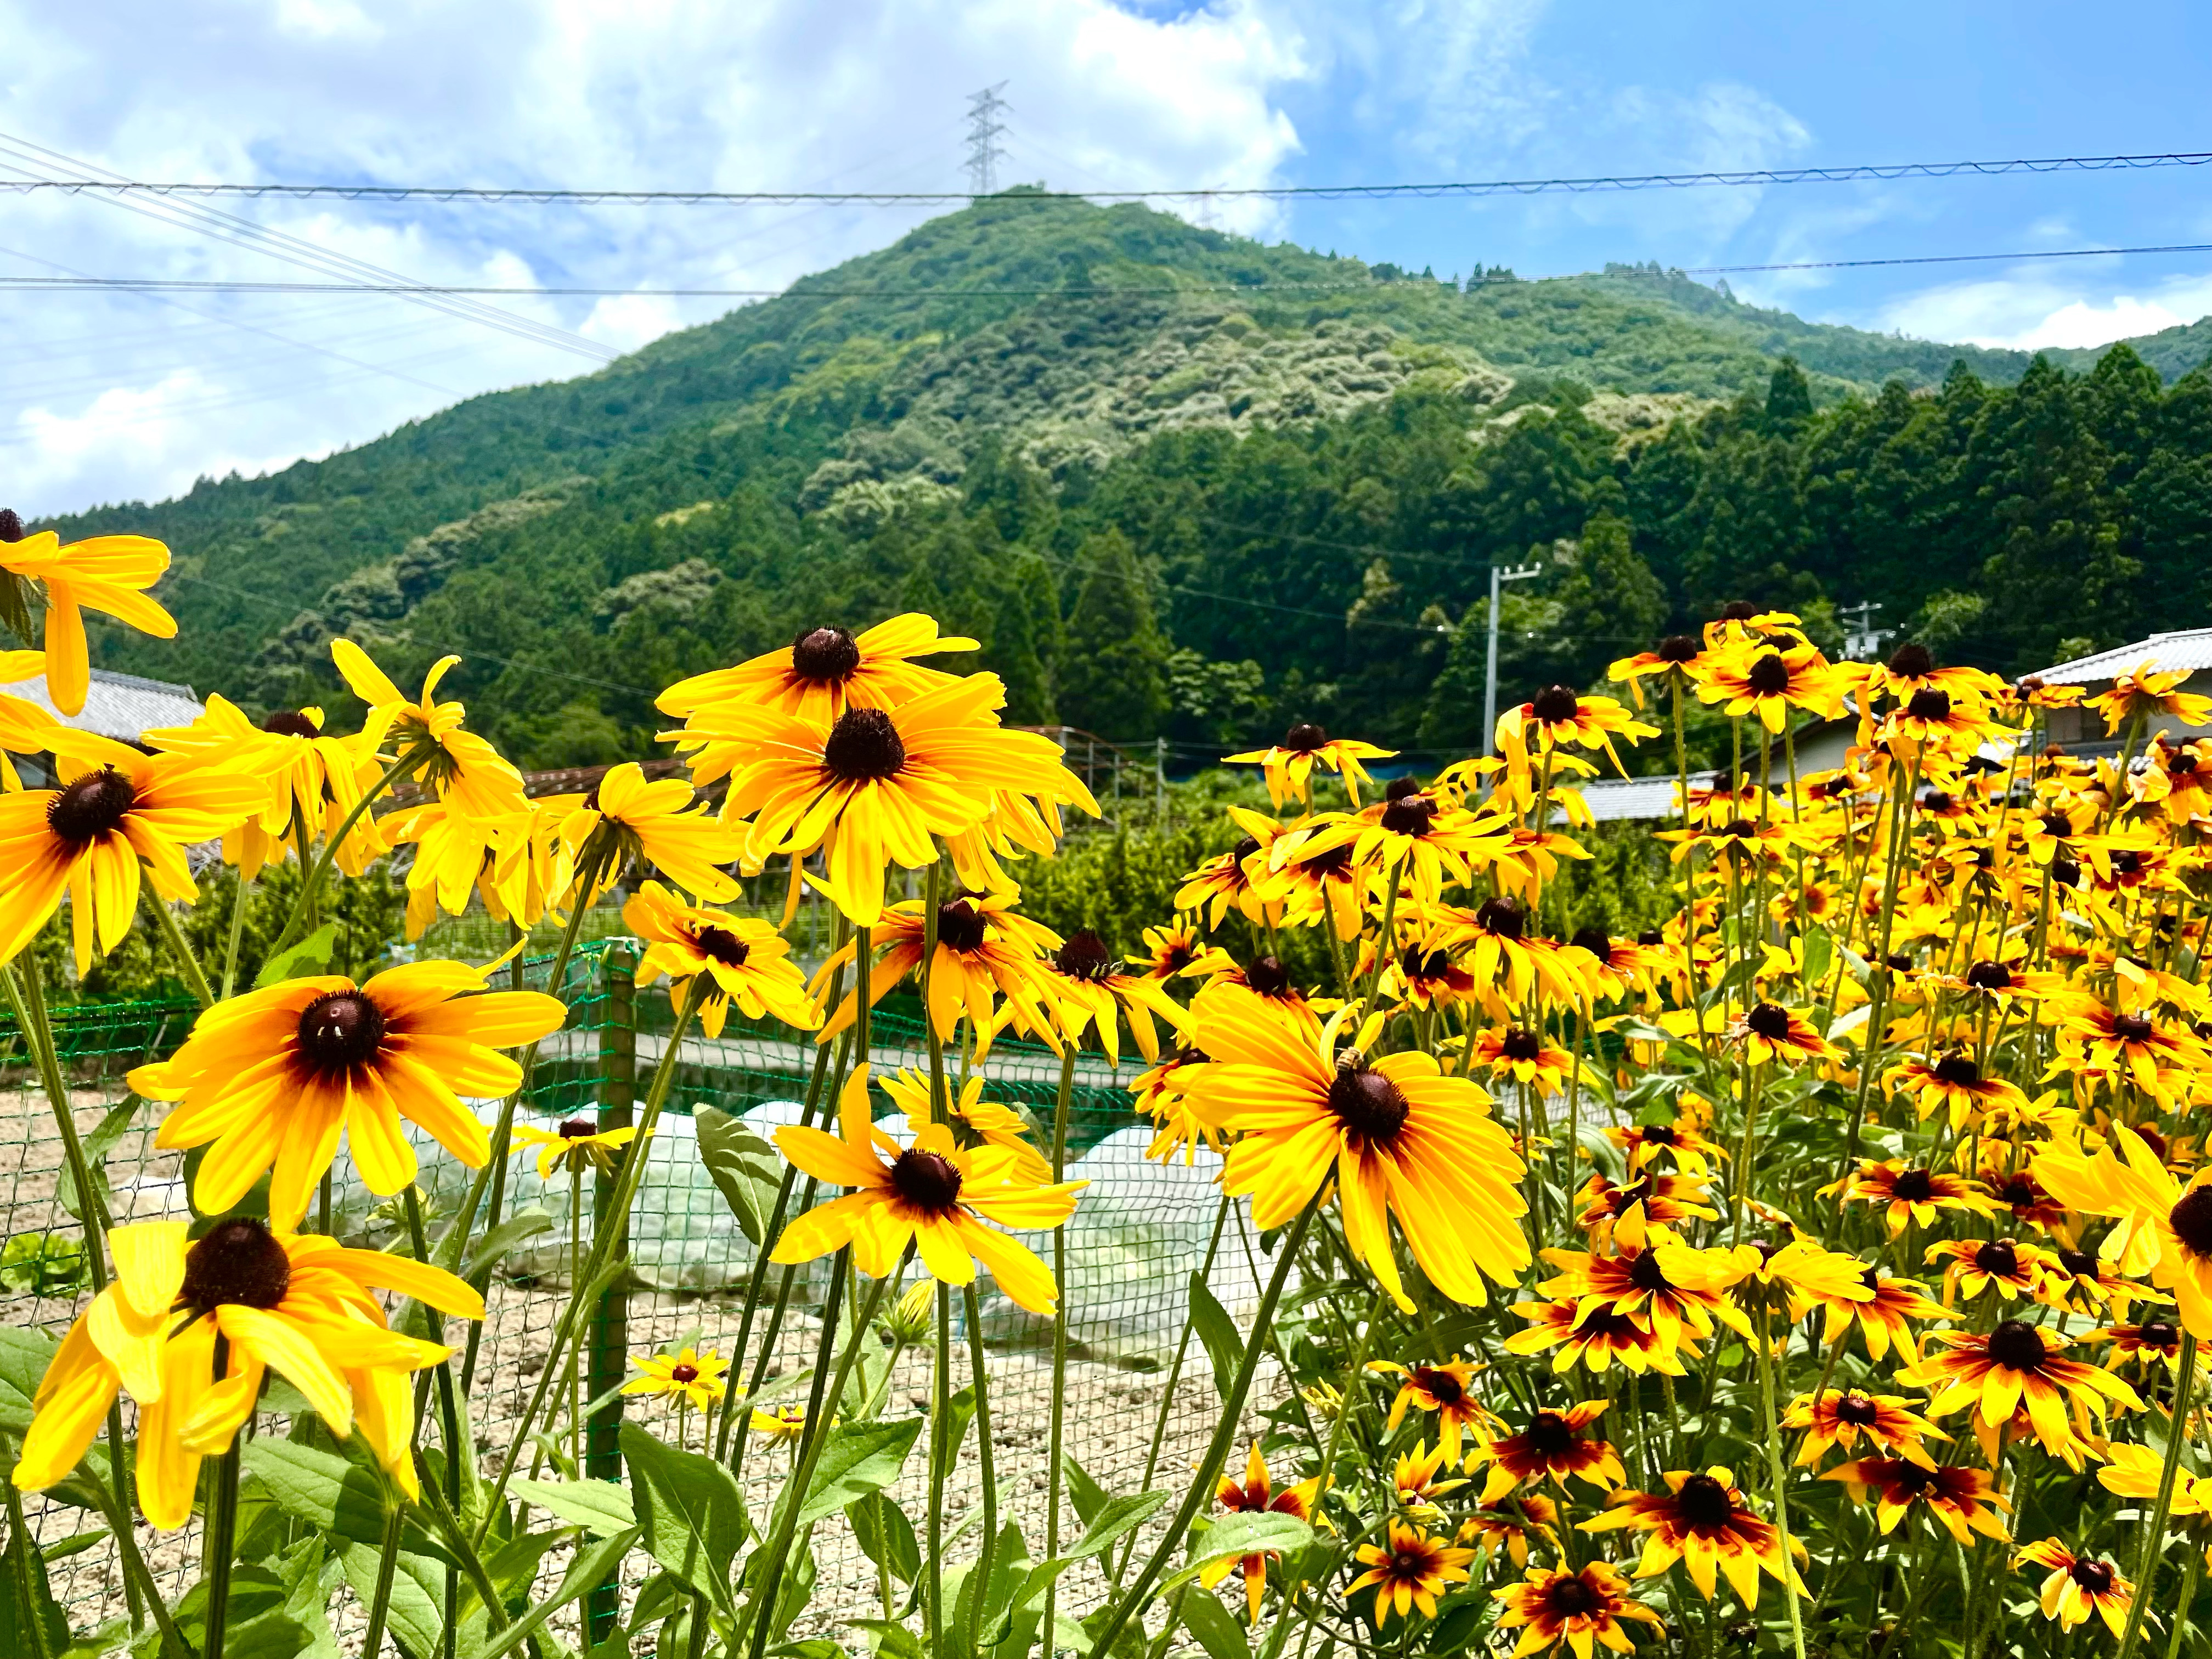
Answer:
(993, 1124)
(2165, 1231)
(273, 1076)
(1288, 766)
(1704, 1521)
(626, 820)
(2079, 1585)
(1769, 679)
(104, 572)
(2140, 691)
(825, 672)
(1408, 1572)
(688, 1378)
(1255, 1495)
(934, 1195)
(746, 960)
(785, 1422)
(307, 773)
(301, 1305)
(1574, 1608)
(578, 1142)
(459, 767)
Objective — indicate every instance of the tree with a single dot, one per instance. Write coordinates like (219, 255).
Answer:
(1113, 679)
(1612, 603)
(1788, 399)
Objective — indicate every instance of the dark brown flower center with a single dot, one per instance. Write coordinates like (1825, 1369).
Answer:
(827, 656)
(960, 925)
(2015, 1346)
(1929, 704)
(2020, 1191)
(2191, 1221)
(723, 945)
(1518, 1043)
(11, 527)
(2131, 1028)
(1550, 1434)
(1304, 738)
(1417, 964)
(1914, 1186)
(1244, 850)
(928, 1180)
(1502, 916)
(1739, 611)
(2127, 862)
(1858, 1410)
(93, 807)
(1676, 647)
(1646, 1273)
(1768, 675)
(1399, 788)
(1442, 1386)
(1703, 1504)
(238, 1262)
(1998, 1259)
(682, 1373)
(1937, 801)
(290, 723)
(1651, 936)
(1571, 1598)
(1554, 703)
(863, 746)
(1911, 662)
(1958, 1070)
(1770, 1020)
(578, 1128)
(1989, 976)
(2078, 1264)
(339, 1031)
(1085, 957)
(2095, 1577)
(2151, 1138)
(2157, 1334)
(2066, 872)
(1741, 829)
(1660, 1134)
(1410, 815)
(1268, 976)
(1595, 941)
(2058, 825)
(1368, 1104)
(1329, 861)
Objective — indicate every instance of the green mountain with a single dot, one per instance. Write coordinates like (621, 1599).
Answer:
(1177, 482)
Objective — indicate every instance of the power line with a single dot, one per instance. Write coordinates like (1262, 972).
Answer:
(1583, 185)
(169, 284)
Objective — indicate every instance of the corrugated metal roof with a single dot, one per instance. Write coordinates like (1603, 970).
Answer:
(2186, 652)
(120, 705)
(1613, 799)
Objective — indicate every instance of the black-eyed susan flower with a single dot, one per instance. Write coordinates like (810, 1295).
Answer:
(1421, 835)
(1229, 880)
(1178, 1129)
(934, 1194)
(1288, 765)
(1180, 951)
(2139, 694)
(626, 820)
(984, 948)
(1090, 991)
(269, 1080)
(1768, 679)
(1396, 1136)
(2017, 1364)
(1255, 1494)
(784, 1424)
(989, 1122)
(1556, 718)
(313, 778)
(1551, 1448)
(1518, 1054)
(1409, 1569)
(1494, 943)
(1843, 1417)
(107, 574)
(1598, 1339)
(302, 1306)
(1682, 1142)
(1508, 1528)
(1677, 659)
(688, 1376)
(2155, 1340)
(1419, 1481)
(1445, 1387)
(1952, 1083)
(2165, 1231)
(1703, 1521)
(456, 765)
(826, 671)
(2078, 1585)
(1770, 1031)
(1884, 1308)
(1959, 1499)
(2136, 1045)
(1972, 1266)
(575, 1144)
(745, 963)
(1651, 1200)
(119, 817)
(1553, 1608)
(1910, 1195)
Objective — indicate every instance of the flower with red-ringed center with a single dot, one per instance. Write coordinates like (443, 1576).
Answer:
(119, 816)
(1952, 1083)
(1651, 1200)
(1843, 1417)
(1683, 1141)
(1508, 1529)
(1972, 1266)
(1415, 1479)
(2013, 1365)
(745, 963)
(2143, 691)
(1288, 765)
(825, 670)
(1770, 1031)
(2165, 1231)
(1553, 1605)
(1769, 678)
(269, 1080)
(1551, 1448)
(1959, 1498)
(1657, 1280)
(1409, 1571)
(1598, 1338)
(1910, 1195)
(1255, 1495)
(1398, 1137)
(1885, 1312)
(2152, 1339)
(1703, 1521)
(2079, 1585)
(1519, 1055)
(983, 947)
(934, 1194)
(1445, 1387)
(688, 1377)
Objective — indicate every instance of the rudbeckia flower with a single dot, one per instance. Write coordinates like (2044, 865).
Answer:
(1397, 1136)
(1683, 1141)
(2013, 1365)
(875, 787)
(1658, 1282)
(273, 1076)
(577, 1142)
(1091, 992)
(1491, 942)
(1843, 1417)
(1959, 1498)
(1769, 680)
(2079, 1585)
(458, 767)
(746, 962)
(1975, 1265)
(1885, 1311)
(1703, 1521)
(2154, 1338)
(989, 1121)
(1554, 1606)
(300, 1305)
(1770, 1031)
(1910, 1195)
(1409, 1571)
(1952, 1083)
(688, 1376)
(1178, 1128)
(1289, 764)
(1413, 1478)
(1508, 1531)
(934, 1195)
(2165, 1231)
(1179, 952)
(116, 810)
(983, 948)
(1422, 834)
(1233, 878)
(1911, 668)
(313, 778)
(1650, 1199)
(1557, 717)
(1518, 1053)
(1678, 659)
(826, 671)
(1935, 720)
(1446, 1388)
(626, 820)
(109, 573)
(1597, 1338)
(1255, 1495)
(786, 1423)
(1551, 1448)
(2139, 693)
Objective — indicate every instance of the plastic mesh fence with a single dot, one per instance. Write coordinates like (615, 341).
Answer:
(1140, 1232)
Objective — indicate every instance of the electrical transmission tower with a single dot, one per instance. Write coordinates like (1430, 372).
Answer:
(984, 128)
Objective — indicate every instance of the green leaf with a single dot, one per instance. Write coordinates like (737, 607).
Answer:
(23, 1622)
(1217, 1331)
(960, 1411)
(589, 1567)
(690, 1510)
(74, 1544)
(309, 957)
(1120, 1515)
(891, 1637)
(493, 1246)
(1214, 1627)
(748, 1170)
(98, 1145)
(24, 1356)
(601, 1508)
(1254, 1533)
(885, 1535)
(335, 1496)
(857, 1458)
(1819, 952)
(1087, 1494)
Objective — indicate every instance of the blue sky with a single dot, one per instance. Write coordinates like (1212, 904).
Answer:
(111, 397)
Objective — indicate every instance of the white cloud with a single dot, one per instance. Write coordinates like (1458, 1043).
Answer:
(2035, 307)
(646, 94)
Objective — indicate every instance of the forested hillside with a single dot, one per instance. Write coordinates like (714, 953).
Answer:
(1181, 483)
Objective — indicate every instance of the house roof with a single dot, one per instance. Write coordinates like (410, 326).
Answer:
(118, 705)
(1611, 799)
(2183, 653)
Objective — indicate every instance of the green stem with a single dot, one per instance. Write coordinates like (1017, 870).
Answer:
(237, 935)
(1350, 1403)
(1056, 1434)
(1384, 945)
(2194, 1566)
(27, 998)
(182, 949)
(20, 1547)
(222, 1532)
(981, 1582)
(2155, 1538)
(1780, 1472)
(1225, 1434)
(311, 880)
(940, 1454)
(379, 1601)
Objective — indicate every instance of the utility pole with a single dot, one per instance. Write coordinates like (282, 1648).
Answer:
(1864, 639)
(984, 130)
(1498, 573)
